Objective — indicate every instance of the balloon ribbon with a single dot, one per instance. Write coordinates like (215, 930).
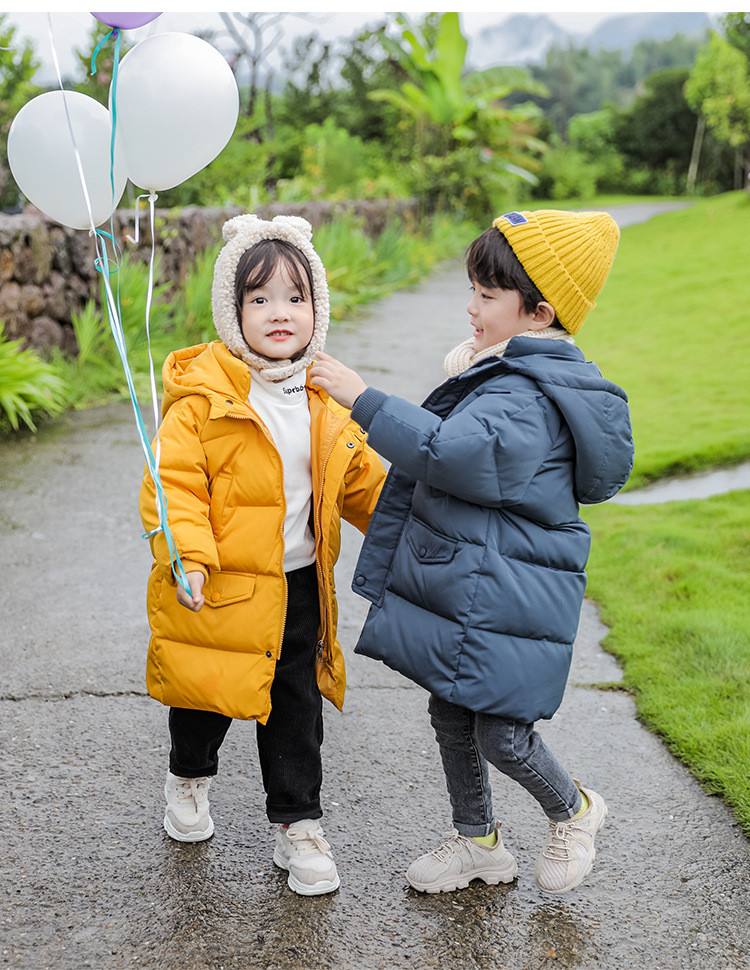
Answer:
(104, 264)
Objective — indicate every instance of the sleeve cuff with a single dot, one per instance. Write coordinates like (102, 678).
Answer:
(367, 405)
(194, 567)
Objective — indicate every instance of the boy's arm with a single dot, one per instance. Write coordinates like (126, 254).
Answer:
(486, 454)
(184, 478)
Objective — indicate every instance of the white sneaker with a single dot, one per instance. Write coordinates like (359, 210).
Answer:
(455, 863)
(187, 818)
(568, 853)
(305, 854)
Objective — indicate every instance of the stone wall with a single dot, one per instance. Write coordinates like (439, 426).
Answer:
(47, 271)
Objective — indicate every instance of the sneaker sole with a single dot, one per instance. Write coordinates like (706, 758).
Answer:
(453, 883)
(178, 836)
(301, 888)
(589, 867)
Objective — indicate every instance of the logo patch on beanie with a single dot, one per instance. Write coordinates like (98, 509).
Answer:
(515, 218)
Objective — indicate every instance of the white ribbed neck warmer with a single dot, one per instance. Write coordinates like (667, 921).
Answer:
(461, 358)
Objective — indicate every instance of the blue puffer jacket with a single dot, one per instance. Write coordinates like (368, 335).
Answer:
(474, 559)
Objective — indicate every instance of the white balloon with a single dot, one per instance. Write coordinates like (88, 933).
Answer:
(176, 105)
(42, 158)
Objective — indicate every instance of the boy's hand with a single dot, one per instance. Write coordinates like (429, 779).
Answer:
(343, 384)
(195, 582)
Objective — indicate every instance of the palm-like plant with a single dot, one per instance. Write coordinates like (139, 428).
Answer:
(452, 106)
(28, 386)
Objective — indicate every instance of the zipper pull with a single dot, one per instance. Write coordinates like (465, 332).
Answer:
(321, 646)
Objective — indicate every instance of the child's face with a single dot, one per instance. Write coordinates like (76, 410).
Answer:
(277, 320)
(496, 315)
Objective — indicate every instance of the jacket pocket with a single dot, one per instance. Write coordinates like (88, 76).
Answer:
(221, 588)
(429, 546)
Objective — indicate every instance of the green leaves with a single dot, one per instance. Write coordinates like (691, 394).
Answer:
(440, 92)
(28, 386)
(719, 86)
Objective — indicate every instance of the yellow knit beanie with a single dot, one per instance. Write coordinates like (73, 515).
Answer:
(567, 256)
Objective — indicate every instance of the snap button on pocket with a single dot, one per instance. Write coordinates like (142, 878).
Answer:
(429, 546)
(215, 597)
(268, 653)
(350, 444)
(360, 580)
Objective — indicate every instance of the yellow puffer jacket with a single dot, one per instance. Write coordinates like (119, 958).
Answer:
(222, 476)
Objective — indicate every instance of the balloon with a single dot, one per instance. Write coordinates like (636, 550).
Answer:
(42, 158)
(177, 105)
(125, 21)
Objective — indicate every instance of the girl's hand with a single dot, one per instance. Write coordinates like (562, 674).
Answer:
(343, 384)
(195, 582)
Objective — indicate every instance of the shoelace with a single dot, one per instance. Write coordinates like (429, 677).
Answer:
(307, 841)
(446, 849)
(560, 845)
(191, 790)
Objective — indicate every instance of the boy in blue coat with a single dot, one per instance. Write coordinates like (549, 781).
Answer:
(475, 556)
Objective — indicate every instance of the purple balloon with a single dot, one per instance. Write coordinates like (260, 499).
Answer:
(125, 21)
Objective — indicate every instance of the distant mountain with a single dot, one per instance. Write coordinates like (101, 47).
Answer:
(624, 32)
(526, 38)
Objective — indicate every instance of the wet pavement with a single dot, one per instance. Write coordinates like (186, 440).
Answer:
(88, 878)
(696, 486)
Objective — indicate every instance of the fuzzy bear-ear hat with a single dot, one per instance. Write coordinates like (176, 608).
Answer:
(241, 233)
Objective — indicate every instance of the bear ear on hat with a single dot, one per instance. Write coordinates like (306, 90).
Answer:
(232, 226)
(295, 222)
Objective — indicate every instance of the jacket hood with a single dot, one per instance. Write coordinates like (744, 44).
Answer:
(213, 371)
(240, 234)
(599, 419)
(207, 369)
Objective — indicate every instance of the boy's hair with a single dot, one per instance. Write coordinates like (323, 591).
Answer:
(258, 263)
(491, 262)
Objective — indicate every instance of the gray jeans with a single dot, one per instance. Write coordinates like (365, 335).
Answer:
(468, 740)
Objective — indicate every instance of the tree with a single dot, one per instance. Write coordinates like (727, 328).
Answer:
(736, 27)
(658, 129)
(468, 144)
(249, 31)
(17, 68)
(719, 87)
(325, 82)
(580, 80)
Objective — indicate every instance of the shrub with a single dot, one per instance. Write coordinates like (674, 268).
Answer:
(29, 387)
(566, 174)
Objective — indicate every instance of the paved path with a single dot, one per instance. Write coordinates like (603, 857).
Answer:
(89, 879)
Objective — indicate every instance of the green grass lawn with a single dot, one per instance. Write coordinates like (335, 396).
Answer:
(672, 327)
(671, 581)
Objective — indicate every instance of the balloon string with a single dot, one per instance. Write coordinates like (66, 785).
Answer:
(118, 38)
(113, 33)
(149, 296)
(103, 264)
(77, 154)
(135, 239)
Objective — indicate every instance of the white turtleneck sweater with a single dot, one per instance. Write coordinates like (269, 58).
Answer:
(283, 408)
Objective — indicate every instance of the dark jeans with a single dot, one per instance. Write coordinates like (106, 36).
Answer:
(468, 740)
(289, 743)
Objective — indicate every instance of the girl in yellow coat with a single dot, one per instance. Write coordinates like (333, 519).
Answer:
(258, 467)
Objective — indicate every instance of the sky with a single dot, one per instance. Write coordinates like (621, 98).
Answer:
(70, 29)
